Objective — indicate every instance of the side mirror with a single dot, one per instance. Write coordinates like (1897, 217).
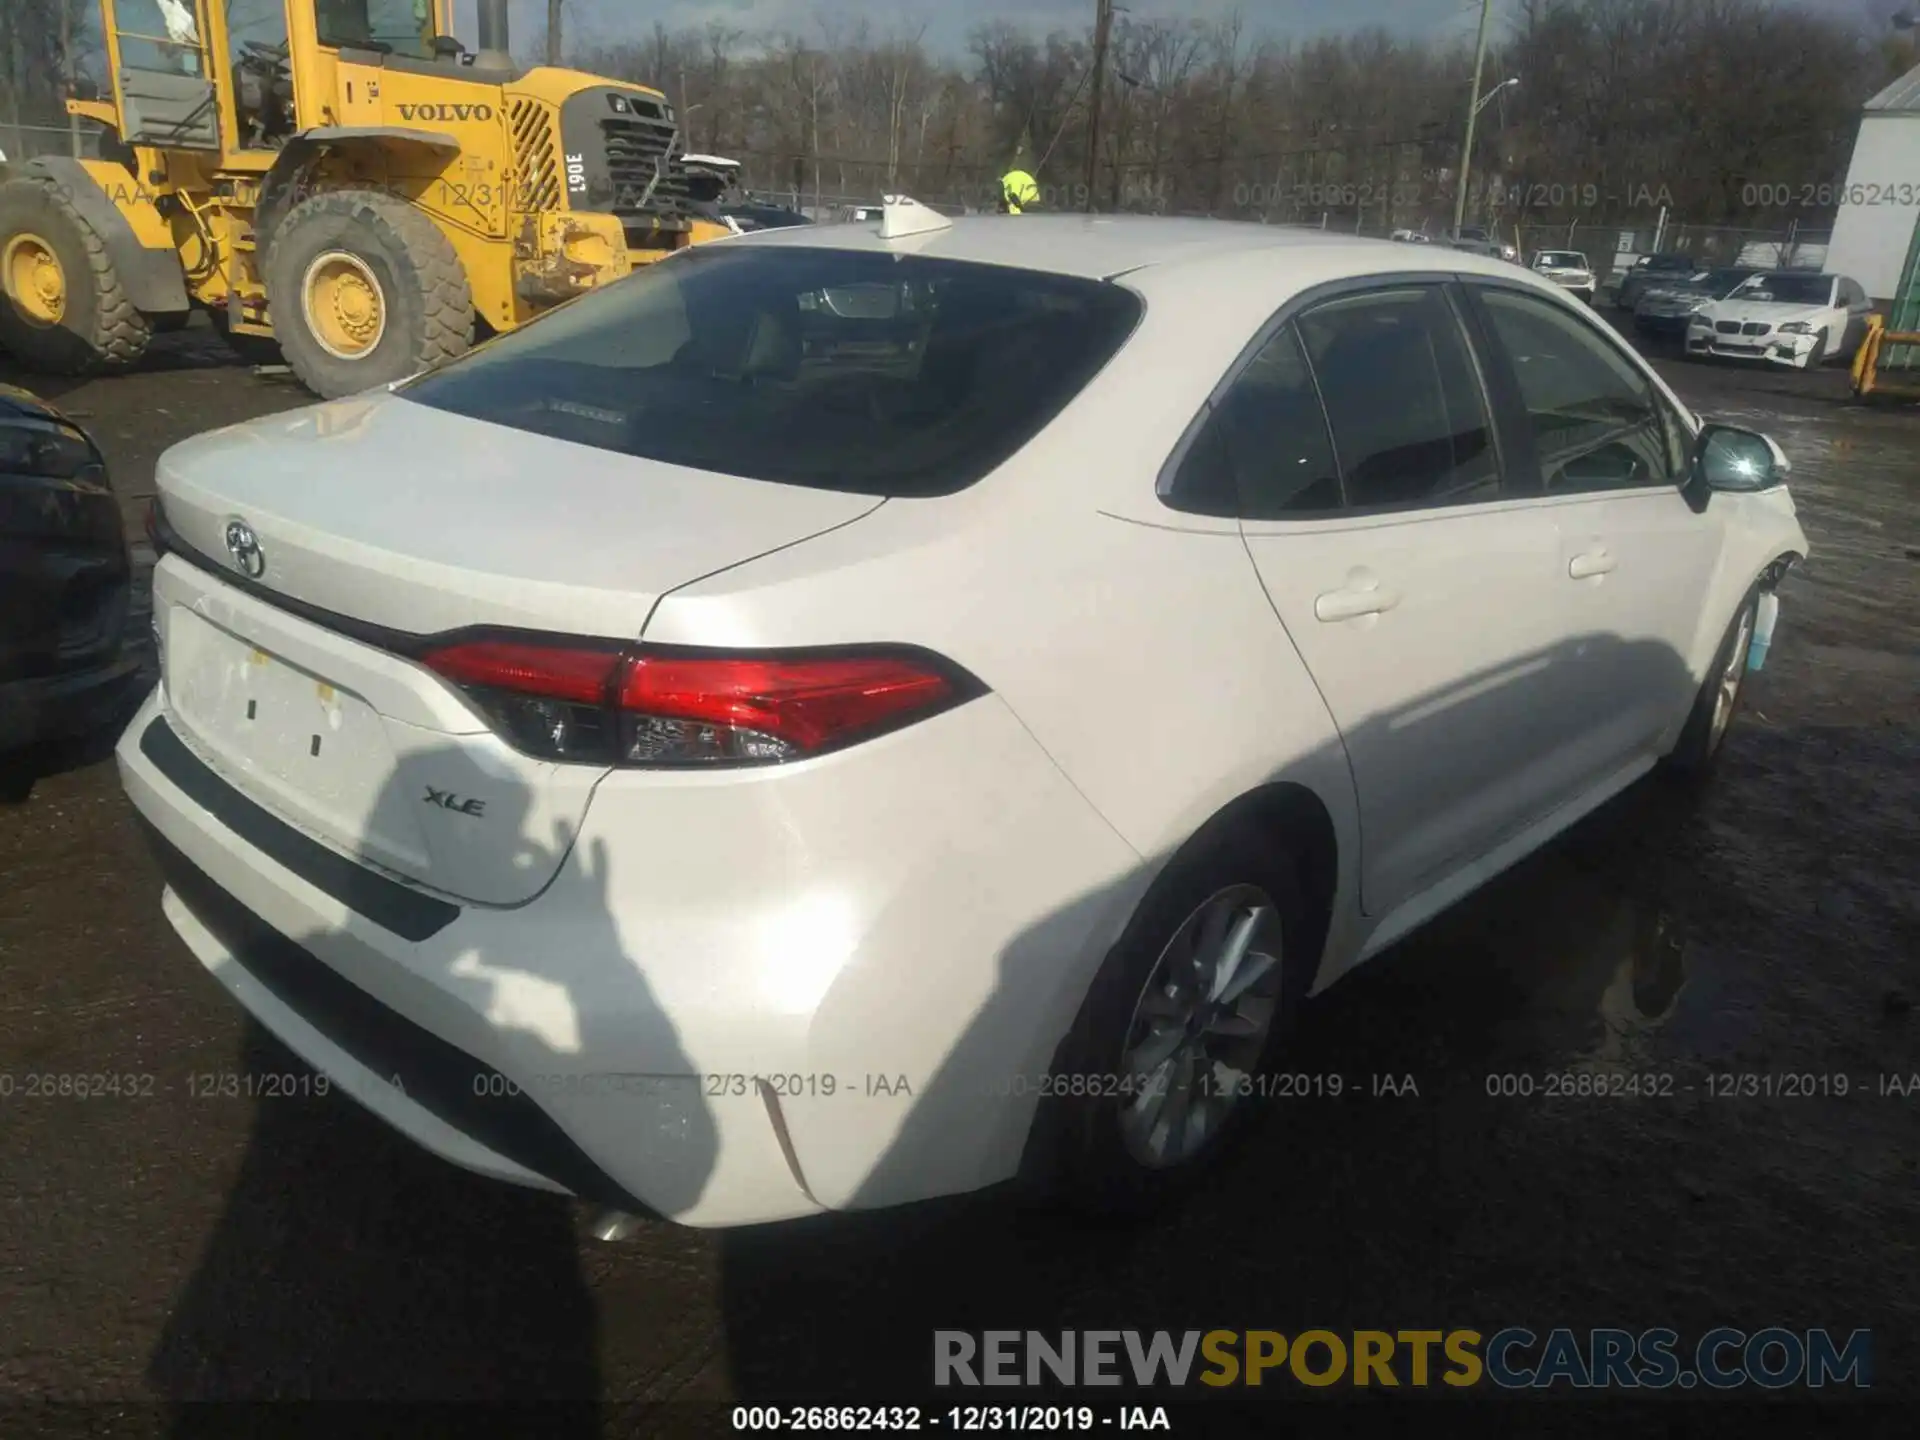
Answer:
(446, 47)
(1740, 461)
(84, 87)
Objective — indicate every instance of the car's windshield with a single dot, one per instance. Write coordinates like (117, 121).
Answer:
(1721, 283)
(1563, 260)
(1787, 289)
(1669, 262)
(401, 27)
(875, 373)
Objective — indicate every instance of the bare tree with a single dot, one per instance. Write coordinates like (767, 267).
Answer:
(1621, 100)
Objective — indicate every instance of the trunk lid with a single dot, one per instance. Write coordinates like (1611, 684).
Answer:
(420, 520)
(410, 519)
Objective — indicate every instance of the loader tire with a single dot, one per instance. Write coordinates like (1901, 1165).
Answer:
(364, 290)
(63, 309)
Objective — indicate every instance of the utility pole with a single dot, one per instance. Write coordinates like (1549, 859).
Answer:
(553, 32)
(66, 65)
(1102, 23)
(1473, 115)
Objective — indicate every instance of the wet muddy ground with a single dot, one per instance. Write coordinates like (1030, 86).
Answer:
(163, 1247)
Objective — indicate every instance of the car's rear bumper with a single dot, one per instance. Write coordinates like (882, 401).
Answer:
(741, 998)
(66, 707)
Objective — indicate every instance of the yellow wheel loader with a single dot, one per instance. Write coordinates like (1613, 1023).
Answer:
(340, 179)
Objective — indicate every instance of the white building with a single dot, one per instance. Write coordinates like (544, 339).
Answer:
(1875, 229)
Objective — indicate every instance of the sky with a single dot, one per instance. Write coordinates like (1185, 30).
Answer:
(948, 22)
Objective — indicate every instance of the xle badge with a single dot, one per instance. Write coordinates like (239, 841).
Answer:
(447, 800)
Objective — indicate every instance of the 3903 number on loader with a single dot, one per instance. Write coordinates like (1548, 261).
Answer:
(340, 178)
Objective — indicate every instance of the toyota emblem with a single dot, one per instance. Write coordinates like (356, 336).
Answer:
(245, 549)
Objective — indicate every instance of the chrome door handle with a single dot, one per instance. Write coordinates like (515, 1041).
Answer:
(1352, 604)
(1593, 562)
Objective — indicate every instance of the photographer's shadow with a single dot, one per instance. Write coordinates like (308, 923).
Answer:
(352, 1264)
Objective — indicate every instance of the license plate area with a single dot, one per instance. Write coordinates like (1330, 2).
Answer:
(299, 743)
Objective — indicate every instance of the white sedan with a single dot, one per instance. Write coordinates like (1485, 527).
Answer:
(862, 713)
(1793, 318)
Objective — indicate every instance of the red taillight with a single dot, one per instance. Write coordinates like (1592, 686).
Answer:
(553, 672)
(152, 525)
(774, 709)
(653, 708)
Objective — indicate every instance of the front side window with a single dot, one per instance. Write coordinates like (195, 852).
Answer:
(1410, 422)
(393, 27)
(1263, 452)
(1596, 421)
(875, 374)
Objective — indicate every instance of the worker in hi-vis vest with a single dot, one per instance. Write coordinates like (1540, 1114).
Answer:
(1018, 191)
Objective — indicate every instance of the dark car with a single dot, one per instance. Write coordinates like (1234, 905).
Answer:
(1665, 307)
(66, 671)
(1650, 270)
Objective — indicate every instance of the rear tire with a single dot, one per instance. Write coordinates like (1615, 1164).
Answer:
(16, 777)
(1694, 755)
(1094, 1152)
(63, 309)
(365, 290)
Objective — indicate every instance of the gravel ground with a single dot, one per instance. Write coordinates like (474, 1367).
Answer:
(167, 1248)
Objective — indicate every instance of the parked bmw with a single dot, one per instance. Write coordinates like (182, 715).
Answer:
(675, 758)
(65, 588)
(1787, 317)
(1650, 271)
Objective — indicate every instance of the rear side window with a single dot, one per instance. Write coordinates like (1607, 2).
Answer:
(1263, 451)
(1410, 422)
(876, 374)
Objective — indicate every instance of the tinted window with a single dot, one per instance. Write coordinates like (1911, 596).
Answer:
(879, 374)
(1409, 421)
(1596, 422)
(1263, 451)
(1851, 293)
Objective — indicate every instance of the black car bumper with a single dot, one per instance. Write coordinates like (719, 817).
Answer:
(68, 707)
(1667, 327)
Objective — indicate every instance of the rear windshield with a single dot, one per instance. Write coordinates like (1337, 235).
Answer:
(877, 374)
(1787, 289)
(1563, 259)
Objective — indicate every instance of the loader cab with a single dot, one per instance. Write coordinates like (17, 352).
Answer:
(236, 79)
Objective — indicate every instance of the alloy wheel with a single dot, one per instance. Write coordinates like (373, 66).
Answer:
(1200, 1025)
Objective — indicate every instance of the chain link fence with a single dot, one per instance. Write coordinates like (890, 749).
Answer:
(25, 142)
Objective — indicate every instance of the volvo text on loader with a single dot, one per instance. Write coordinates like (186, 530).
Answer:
(341, 178)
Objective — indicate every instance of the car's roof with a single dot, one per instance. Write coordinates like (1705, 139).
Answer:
(1100, 247)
